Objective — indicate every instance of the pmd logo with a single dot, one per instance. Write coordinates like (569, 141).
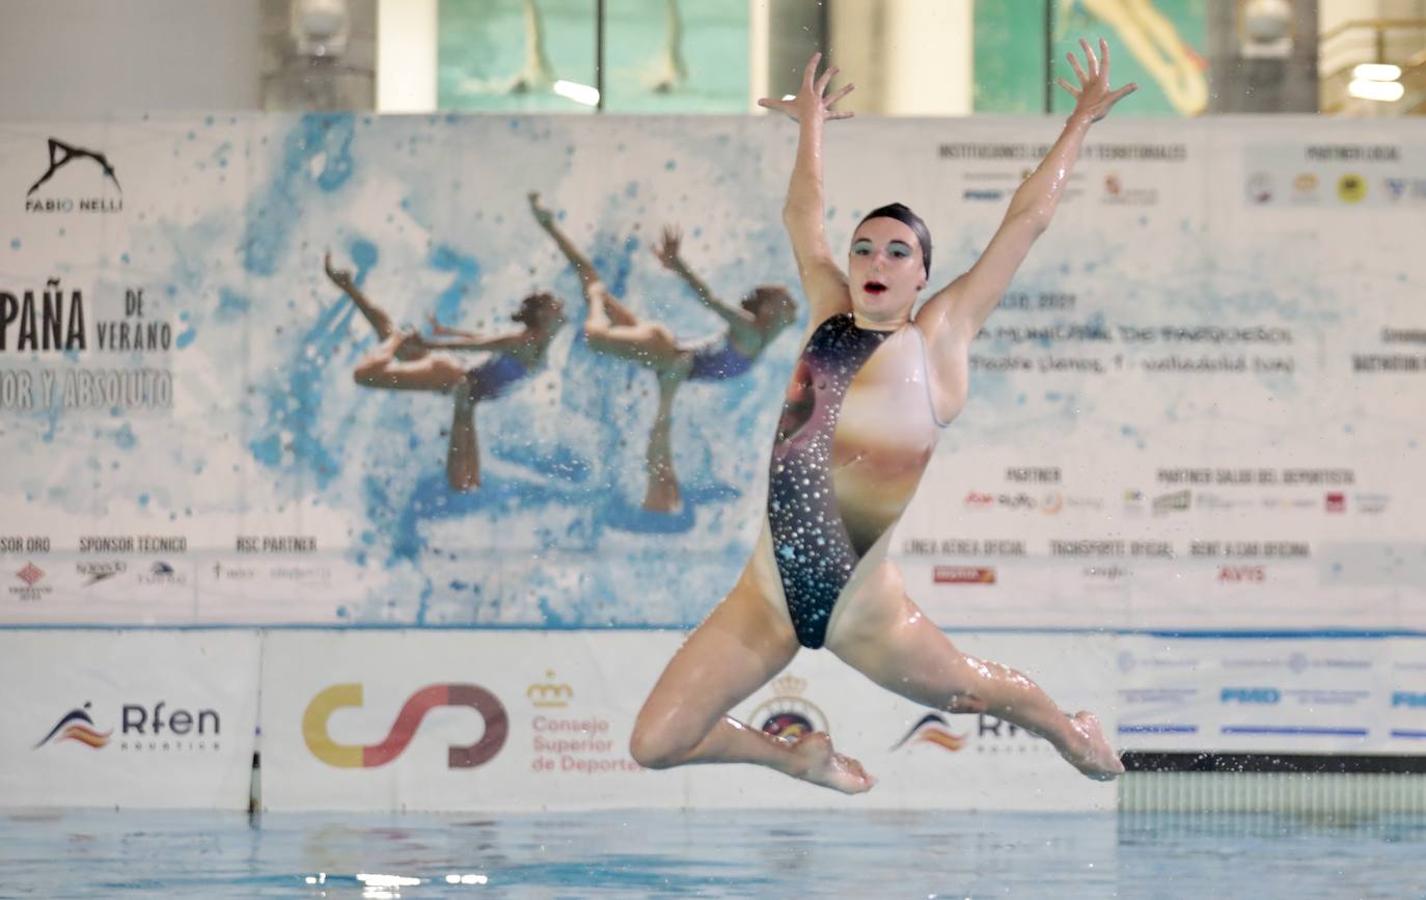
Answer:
(1262, 696)
(408, 721)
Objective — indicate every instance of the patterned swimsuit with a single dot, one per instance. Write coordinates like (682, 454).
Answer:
(815, 552)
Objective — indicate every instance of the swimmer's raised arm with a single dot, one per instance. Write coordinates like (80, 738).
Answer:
(546, 220)
(822, 279)
(958, 310)
(667, 250)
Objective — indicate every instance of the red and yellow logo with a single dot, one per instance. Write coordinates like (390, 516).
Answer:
(352, 756)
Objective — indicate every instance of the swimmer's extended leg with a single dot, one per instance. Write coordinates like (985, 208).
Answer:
(402, 363)
(663, 494)
(895, 645)
(737, 649)
(612, 329)
(374, 314)
(463, 451)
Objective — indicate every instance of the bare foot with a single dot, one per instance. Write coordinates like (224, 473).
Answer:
(819, 764)
(1096, 759)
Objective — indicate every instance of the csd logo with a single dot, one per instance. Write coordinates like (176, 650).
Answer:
(351, 756)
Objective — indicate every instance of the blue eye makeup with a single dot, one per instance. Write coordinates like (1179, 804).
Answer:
(899, 249)
(862, 247)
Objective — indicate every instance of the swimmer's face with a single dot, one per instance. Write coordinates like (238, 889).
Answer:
(885, 270)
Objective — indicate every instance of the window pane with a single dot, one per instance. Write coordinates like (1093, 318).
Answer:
(514, 54)
(677, 56)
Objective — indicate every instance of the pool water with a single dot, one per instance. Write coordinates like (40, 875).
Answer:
(708, 853)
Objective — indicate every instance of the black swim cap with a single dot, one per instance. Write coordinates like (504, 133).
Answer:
(903, 214)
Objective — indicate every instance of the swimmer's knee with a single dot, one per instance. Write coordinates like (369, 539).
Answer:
(647, 751)
(653, 750)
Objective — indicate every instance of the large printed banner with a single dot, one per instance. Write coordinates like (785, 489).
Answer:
(1197, 408)
(116, 719)
(490, 721)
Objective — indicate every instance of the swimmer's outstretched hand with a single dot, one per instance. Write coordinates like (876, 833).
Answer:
(340, 277)
(543, 216)
(1093, 97)
(810, 102)
(667, 248)
(437, 329)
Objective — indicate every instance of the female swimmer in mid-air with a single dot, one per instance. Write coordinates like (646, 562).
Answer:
(404, 361)
(613, 329)
(871, 391)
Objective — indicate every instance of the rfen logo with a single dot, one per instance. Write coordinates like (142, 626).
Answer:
(408, 720)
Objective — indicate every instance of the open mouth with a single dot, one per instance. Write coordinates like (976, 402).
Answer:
(874, 287)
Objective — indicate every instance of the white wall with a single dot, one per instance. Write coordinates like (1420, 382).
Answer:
(907, 57)
(406, 55)
(85, 58)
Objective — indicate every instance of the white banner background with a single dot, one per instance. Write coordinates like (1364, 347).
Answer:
(186, 740)
(601, 679)
(1198, 407)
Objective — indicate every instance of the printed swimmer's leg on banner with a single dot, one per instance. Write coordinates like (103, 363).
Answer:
(611, 328)
(374, 314)
(537, 74)
(663, 494)
(404, 362)
(671, 71)
(463, 450)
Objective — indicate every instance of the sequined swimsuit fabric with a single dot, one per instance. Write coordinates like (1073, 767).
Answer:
(814, 551)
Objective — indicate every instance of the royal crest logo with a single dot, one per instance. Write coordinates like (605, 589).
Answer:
(788, 714)
(549, 694)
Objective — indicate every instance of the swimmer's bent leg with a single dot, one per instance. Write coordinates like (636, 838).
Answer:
(736, 650)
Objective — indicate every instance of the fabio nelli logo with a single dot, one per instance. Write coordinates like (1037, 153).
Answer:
(42, 197)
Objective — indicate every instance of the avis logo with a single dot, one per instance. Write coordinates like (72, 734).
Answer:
(1254, 695)
(408, 720)
(76, 725)
(932, 729)
(1242, 574)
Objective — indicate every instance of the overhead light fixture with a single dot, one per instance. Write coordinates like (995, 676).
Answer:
(1377, 72)
(579, 93)
(1384, 91)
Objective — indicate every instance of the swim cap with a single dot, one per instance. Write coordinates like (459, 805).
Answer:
(903, 214)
